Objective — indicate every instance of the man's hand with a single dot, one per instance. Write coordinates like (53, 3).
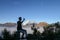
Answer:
(23, 18)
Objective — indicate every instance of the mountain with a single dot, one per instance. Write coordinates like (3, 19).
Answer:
(30, 24)
(1, 24)
(27, 23)
(8, 24)
(41, 24)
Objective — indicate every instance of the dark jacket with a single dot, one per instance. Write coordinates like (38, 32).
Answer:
(19, 25)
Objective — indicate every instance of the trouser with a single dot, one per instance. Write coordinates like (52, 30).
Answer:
(23, 31)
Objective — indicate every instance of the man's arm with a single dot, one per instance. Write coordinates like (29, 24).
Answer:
(23, 20)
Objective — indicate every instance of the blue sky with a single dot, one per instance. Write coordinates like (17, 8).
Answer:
(37, 10)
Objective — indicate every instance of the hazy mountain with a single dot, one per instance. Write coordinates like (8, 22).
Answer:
(40, 24)
(1, 24)
(27, 23)
(8, 24)
(30, 24)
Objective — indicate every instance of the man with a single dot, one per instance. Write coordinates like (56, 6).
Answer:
(19, 26)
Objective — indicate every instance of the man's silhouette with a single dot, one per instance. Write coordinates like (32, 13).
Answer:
(19, 26)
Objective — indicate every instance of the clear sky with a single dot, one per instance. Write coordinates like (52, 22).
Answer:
(37, 10)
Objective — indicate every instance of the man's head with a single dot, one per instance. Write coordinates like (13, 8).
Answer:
(20, 18)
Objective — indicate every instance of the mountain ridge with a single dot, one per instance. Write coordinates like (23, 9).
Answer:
(29, 23)
(8, 24)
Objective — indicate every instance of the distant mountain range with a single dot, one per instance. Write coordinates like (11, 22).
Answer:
(25, 24)
(40, 24)
(30, 24)
(8, 24)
